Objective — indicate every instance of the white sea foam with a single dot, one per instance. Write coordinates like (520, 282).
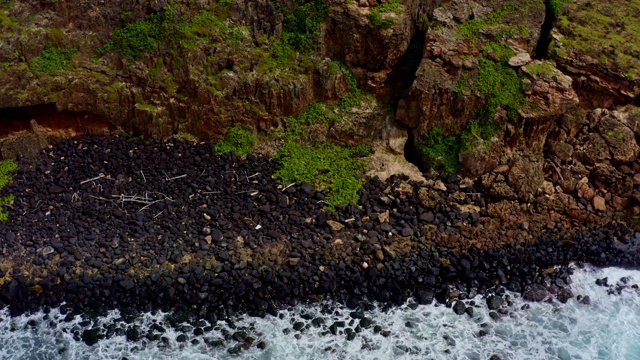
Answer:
(609, 328)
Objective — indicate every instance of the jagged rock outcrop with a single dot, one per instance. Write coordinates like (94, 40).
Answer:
(422, 60)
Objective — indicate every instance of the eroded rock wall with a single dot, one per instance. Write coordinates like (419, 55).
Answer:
(576, 120)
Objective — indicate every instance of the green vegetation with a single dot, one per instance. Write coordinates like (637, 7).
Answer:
(593, 28)
(376, 17)
(206, 26)
(7, 168)
(556, 7)
(498, 51)
(134, 39)
(355, 96)
(335, 169)
(56, 36)
(238, 141)
(442, 150)
(540, 69)
(501, 87)
(470, 29)
(301, 28)
(52, 59)
(300, 31)
(7, 22)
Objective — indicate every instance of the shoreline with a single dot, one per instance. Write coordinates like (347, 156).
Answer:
(144, 237)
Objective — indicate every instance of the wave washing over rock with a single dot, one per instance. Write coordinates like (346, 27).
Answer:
(607, 327)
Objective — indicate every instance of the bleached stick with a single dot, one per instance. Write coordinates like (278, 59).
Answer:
(95, 178)
(288, 186)
(176, 177)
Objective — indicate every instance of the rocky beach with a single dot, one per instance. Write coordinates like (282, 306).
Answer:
(105, 223)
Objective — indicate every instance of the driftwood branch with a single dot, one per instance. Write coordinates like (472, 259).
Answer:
(167, 178)
(288, 186)
(92, 179)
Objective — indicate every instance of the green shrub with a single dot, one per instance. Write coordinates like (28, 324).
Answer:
(52, 59)
(7, 22)
(355, 96)
(56, 35)
(239, 141)
(7, 168)
(330, 167)
(556, 7)
(134, 39)
(442, 150)
(300, 31)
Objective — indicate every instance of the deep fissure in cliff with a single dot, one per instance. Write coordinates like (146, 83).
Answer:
(411, 153)
(403, 74)
(18, 119)
(544, 41)
(400, 81)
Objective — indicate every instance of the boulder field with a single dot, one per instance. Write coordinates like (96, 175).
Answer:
(132, 223)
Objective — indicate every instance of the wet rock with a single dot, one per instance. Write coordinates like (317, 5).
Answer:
(459, 308)
(494, 302)
(425, 297)
(535, 292)
(91, 336)
(564, 294)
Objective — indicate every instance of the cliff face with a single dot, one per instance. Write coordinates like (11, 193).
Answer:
(458, 75)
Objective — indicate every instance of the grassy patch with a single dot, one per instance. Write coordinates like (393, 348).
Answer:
(296, 127)
(470, 29)
(332, 168)
(540, 69)
(52, 59)
(356, 95)
(502, 87)
(594, 27)
(7, 168)
(335, 169)
(497, 50)
(376, 17)
(238, 140)
(442, 150)
(135, 38)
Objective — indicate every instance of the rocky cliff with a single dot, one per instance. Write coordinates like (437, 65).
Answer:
(534, 98)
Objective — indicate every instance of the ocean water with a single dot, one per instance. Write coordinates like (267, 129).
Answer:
(608, 328)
